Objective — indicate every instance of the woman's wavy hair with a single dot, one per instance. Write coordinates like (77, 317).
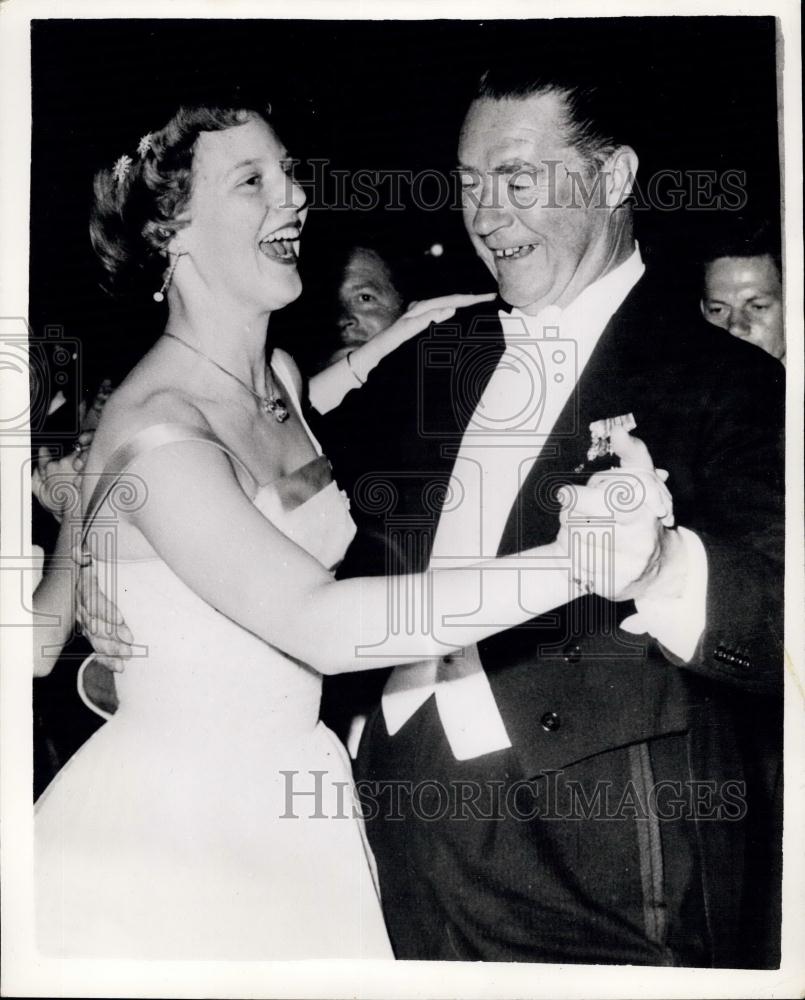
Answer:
(135, 216)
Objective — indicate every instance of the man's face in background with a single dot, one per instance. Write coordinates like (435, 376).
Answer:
(744, 295)
(367, 297)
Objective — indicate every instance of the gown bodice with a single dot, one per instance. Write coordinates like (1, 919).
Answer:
(195, 674)
(200, 672)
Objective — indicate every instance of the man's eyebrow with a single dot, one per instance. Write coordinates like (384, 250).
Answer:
(356, 283)
(513, 166)
(518, 166)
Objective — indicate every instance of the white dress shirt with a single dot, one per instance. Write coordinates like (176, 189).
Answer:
(543, 360)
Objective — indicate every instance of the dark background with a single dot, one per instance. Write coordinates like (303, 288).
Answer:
(697, 93)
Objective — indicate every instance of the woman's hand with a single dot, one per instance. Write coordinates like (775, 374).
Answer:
(328, 387)
(419, 315)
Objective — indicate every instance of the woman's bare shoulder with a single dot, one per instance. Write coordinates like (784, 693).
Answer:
(132, 408)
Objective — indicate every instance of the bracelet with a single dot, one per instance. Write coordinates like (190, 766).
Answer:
(358, 379)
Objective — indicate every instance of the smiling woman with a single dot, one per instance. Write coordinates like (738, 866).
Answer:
(184, 854)
(175, 832)
(143, 203)
(169, 834)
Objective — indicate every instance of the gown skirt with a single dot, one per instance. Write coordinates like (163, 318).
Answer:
(213, 815)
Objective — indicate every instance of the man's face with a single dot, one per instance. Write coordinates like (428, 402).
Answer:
(745, 296)
(368, 300)
(525, 213)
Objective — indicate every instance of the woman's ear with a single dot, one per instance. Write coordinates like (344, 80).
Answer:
(164, 237)
(172, 235)
(174, 247)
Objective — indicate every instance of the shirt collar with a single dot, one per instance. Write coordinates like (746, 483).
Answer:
(593, 307)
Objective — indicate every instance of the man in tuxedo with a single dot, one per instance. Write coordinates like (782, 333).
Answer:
(570, 790)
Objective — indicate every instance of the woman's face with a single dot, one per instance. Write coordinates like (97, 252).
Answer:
(246, 215)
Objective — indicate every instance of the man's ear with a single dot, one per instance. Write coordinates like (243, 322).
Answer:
(702, 308)
(620, 172)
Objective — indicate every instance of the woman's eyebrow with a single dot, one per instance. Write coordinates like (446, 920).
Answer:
(243, 163)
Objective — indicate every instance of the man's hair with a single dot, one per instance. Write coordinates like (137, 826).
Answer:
(741, 238)
(592, 123)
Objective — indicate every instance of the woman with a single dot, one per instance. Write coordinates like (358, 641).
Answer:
(177, 831)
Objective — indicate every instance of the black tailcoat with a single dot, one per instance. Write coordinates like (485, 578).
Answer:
(587, 706)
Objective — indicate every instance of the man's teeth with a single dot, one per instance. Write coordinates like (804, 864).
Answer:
(515, 251)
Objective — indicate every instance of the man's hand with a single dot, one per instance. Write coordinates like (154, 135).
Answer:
(99, 618)
(618, 530)
(55, 481)
(89, 419)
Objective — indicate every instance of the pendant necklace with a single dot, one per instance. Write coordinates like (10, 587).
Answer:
(273, 403)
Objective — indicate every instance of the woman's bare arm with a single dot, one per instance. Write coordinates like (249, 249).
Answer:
(198, 519)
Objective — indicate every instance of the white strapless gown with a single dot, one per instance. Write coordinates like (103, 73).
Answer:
(181, 828)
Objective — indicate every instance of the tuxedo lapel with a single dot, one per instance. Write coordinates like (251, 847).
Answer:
(606, 388)
(455, 374)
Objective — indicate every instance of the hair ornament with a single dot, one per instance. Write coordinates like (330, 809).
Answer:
(121, 168)
(144, 145)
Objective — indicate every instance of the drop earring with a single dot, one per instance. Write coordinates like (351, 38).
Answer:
(166, 281)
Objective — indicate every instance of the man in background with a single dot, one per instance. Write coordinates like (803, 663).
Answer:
(743, 289)
(368, 299)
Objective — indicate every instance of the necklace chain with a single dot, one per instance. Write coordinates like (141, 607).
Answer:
(273, 403)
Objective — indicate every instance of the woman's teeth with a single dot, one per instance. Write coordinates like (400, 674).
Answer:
(520, 251)
(283, 244)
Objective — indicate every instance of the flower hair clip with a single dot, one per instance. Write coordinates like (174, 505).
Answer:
(121, 168)
(144, 145)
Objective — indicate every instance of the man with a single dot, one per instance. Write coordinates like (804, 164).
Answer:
(369, 301)
(743, 292)
(513, 790)
(569, 791)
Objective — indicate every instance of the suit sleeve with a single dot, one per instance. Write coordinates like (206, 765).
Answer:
(739, 517)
